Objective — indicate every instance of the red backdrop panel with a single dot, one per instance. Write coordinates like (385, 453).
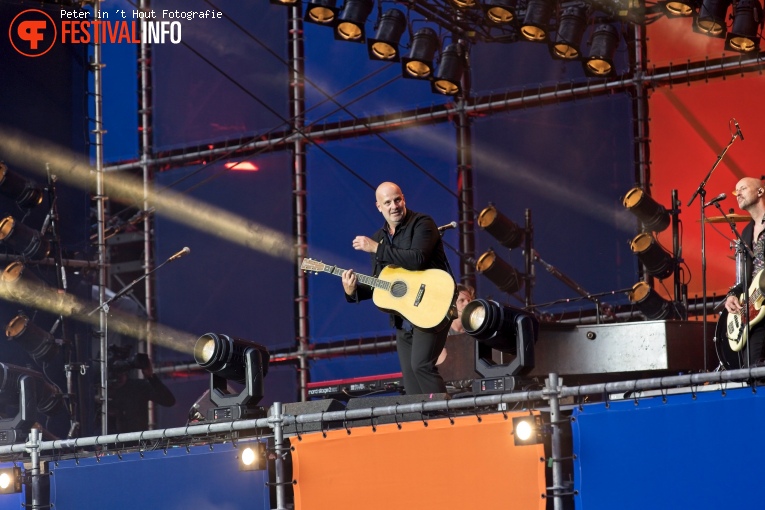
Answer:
(689, 128)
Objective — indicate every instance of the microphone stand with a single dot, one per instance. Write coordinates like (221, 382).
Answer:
(126, 288)
(749, 254)
(105, 308)
(572, 284)
(701, 191)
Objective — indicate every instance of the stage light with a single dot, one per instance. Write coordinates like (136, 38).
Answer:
(652, 304)
(350, 23)
(499, 12)
(321, 12)
(500, 227)
(385, 44)
(232, 359)
(573, 23)
(463, 4)
(505, 329)
(527, 430)
(284, 2)
(252, 457)
(747, 20)
(711, 18)
(605, 40)
(20, 282)
(419, 63)
(29, 392)
(29, 243)
(10, 480)
(499, 272)
(679, 8)
(652, 214)
(36, 341)
(537, 20)
(658, 262)
(26, 193)
(447, 78)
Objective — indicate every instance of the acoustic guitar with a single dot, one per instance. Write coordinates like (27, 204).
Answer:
(424, 297)
(736, 332)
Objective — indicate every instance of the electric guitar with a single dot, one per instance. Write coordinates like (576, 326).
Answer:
(424, 298)
(736, 330)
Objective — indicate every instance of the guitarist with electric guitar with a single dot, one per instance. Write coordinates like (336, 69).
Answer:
(750, 195)
(408, 242)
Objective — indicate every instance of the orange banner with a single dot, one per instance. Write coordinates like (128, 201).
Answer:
(467, 464)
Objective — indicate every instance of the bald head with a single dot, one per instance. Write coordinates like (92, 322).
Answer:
(750, 196)
(391, 203)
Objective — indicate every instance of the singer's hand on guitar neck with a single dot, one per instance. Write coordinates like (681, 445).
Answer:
(366, 244)
(349, 282)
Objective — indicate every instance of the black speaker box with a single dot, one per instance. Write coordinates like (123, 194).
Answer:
(365, 402)
(312, 407)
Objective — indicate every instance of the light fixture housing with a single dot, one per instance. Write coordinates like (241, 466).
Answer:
(23, 191)
(528, 430)
(711, 19)
(679, 8)
(28, 243)
(418, 64)
(499, 272)
(536, 23)
(10, 480)
(504, 328)
(463, 4)
(20, 282)
(657, 261)
(350, 22)
(509, 234)
(745, 33)
(40, 344)
(252, 456)
(653, 215)
(447, 79)
(321, 12)
(652, 304)
(384, 46)
(605, 40)
(571, 27)
(28, 391)
(499, 12)
(229, 358)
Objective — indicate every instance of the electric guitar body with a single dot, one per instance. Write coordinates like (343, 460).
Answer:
(736, 330)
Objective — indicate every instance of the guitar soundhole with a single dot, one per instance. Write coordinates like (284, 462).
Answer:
(398, 289)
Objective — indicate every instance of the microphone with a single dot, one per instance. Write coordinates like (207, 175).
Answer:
(186, 250)
(738, 130)
(716, 199)
(447, 226)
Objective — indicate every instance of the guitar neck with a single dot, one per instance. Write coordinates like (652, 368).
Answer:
(362, 278)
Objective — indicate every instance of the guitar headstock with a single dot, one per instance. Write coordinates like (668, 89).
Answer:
(312, 265)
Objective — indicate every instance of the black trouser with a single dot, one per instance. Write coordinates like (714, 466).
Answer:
(418, 351)
(755, 345)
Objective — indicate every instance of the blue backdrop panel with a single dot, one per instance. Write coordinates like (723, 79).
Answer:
(221, 286)
(572, 179)
(201, 479)
(227, 78)
(684, 453)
